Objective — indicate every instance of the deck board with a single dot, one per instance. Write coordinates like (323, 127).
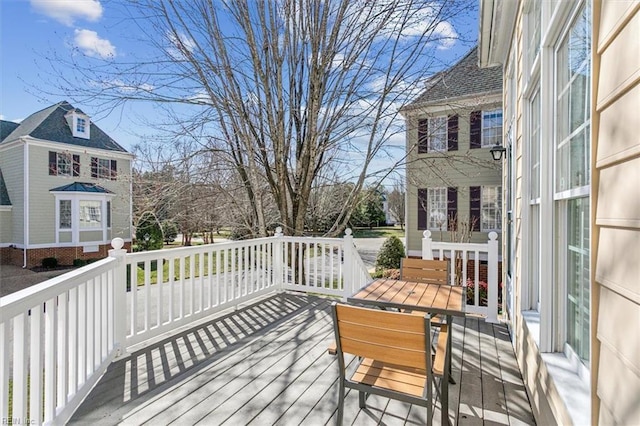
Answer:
(267, 363)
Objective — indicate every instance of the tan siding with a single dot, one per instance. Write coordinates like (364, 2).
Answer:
(617, 221)
(6, 227)
(90, 236)
(64, 237)
(621, 182)
(42, 211)
(620, 62)
(619, 127)
(613, 334)
(622, 403)
(12, 164)
(617, 265)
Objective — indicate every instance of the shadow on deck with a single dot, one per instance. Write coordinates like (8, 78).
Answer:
(267, 364)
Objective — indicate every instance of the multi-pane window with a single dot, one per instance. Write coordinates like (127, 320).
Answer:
(534, 200)
(534, 18)
(81, 124)
(491, 128)
(438, 133)
(108, 214)
(437, 208)
(573, 179)
(578, 276)
(103, 168)
(534, 147)
(90, 214)
(491, 208)
(65, 214)
(573, 107)
(64, 164)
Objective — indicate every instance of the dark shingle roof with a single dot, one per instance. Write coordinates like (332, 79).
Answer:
(4, 195)
(6, 127)
(465, 78)
(82, 187)
(50, 124)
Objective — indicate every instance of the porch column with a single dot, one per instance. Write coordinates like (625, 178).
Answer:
(119, 295)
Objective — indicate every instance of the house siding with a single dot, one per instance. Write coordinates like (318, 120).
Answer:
(42, 201)
(12, 165)
(461, 169)
(6, 227)
(616, 214)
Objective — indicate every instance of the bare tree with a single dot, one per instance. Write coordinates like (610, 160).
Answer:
(284, 90)
(396, 202)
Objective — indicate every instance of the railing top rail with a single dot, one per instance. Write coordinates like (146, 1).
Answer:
(20, 301)
(185, 251)
(300, 239)
(459, 246)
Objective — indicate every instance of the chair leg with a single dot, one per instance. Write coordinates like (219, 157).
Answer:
(362, 397)
(340, 404)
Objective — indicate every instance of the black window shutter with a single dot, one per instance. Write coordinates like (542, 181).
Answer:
(114, 169)
(53, 163)
(475, 130)
(474, 207)
(76, 165)
(422, 209)
(94, 167)
(452, 133)
(452, 208)
(423, 136)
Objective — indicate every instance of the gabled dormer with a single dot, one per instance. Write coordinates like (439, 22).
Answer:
(79, 123)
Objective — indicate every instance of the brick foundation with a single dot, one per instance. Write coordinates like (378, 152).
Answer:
(65, 255)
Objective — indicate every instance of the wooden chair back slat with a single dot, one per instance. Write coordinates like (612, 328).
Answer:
(391, 337)
(421, 270)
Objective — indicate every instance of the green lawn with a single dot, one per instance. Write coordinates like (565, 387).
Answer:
(380, 232)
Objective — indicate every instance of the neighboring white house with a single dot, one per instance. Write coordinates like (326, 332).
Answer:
(65, 188)
(572, 173)
(452, 181)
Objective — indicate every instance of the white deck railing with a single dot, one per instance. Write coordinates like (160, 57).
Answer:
(58, 337)
(474, 256)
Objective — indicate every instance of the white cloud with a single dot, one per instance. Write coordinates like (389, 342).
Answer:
(67, 11)
(447, 35)
(179, 45)
(92, 45)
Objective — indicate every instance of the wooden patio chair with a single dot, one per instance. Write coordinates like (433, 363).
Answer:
(394, 356)
(421, 270)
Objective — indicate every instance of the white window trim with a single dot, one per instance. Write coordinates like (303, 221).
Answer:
(430, 197)
(499, 196)
(75, 198)
(483, 142)
(435, 129)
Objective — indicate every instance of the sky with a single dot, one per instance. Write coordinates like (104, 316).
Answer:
(33, 30)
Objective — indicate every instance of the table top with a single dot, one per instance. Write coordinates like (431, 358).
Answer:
(409, 295)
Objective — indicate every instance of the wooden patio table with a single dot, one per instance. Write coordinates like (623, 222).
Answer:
(442, 299)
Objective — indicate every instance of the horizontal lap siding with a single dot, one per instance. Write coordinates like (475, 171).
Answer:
(616, 242)
(12, 165)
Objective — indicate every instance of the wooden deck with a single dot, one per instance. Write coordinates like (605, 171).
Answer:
(267, 364)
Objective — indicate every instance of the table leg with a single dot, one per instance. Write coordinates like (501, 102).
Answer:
(445, 382)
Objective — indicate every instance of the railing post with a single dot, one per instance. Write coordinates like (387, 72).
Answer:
(492, 277)
(347, 264)
(119, 295)
(427, 250)
(278, 260)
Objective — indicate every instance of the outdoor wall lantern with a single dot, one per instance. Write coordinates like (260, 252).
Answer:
(497, 151)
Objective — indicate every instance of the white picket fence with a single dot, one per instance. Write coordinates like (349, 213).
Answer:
(478, 256)
(58, 337)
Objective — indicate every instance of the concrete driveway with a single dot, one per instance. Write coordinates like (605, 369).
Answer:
(14, 278)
